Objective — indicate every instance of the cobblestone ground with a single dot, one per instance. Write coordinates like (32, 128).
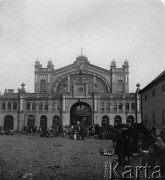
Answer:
(55, 158)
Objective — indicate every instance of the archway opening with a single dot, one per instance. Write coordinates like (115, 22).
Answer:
(8, 122)
(30, 122)
(56, 121)
(118, 120)
(81, 112)
(43, 122)
(130, 119)
(105, 123)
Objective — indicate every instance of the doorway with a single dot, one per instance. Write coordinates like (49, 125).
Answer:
(30, 122)
(43, 122)
(81, 112)
(105, 123)
(8, 122)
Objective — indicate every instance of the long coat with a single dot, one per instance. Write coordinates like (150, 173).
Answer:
(120, 144)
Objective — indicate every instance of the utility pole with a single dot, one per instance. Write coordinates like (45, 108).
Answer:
(137, 102)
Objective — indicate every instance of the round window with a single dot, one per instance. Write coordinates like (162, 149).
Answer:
(80, 89)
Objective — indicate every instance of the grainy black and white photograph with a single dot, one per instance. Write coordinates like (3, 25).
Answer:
(82, 89)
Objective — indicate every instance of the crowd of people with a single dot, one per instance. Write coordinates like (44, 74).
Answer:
(155, 146)
(127, 140)
(139, 140)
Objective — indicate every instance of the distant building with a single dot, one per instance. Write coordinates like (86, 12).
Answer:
(153, 103)
(77, 92)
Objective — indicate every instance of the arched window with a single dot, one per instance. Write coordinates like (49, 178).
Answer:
(114, 108)
(43, 122)
(33, 106)
(120, 107)
(127, 107)
(3, 106)
(105, 119)
(40, 106)
(130, 119)
(120, 86)
(133, 107)
(117, 120)
(43, 86)
(105, 123)
(9, 106)
(102, 107)
(30, 122)
(28, 106)
(14, 106)
(46, 106)
(56, 121)
(108, 107)
(53, 106)
(8, 122)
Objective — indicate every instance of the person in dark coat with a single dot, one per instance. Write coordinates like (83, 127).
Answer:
(128, 143)
(124, 144)
(159, 152)
(134, 135)
(148, 140)
(120, 146)
(148, 148)
(114, 132)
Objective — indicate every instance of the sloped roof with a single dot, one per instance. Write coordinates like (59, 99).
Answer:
(158, 79)
(87, 63)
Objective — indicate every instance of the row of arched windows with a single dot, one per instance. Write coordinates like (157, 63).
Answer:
(119, 107)
(55, 121)
(43, 121)
(9, 122)
(117, 119)
(9, 106)
(41, 106)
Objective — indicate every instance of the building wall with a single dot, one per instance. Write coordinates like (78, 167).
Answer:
(153, 107)
(55, 107)
(112, 78)
(15, 117)
(61, 93)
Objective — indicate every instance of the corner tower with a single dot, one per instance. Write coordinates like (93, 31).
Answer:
(42, 77)
(119, 78)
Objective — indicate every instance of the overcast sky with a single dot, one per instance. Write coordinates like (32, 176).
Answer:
(112, 29)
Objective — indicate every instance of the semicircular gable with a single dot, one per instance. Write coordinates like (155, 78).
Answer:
(61, 84)
(86, 79)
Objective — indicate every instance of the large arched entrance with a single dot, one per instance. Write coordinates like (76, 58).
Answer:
(81, 112)
(30, 122)
(130, 119)
(117, 120)
(8, 122)
(105, 123)
(56, 121)
(43, 122)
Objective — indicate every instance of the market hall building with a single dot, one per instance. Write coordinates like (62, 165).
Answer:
(78, 92)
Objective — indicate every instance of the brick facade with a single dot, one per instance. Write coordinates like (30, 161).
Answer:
(94, 92)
